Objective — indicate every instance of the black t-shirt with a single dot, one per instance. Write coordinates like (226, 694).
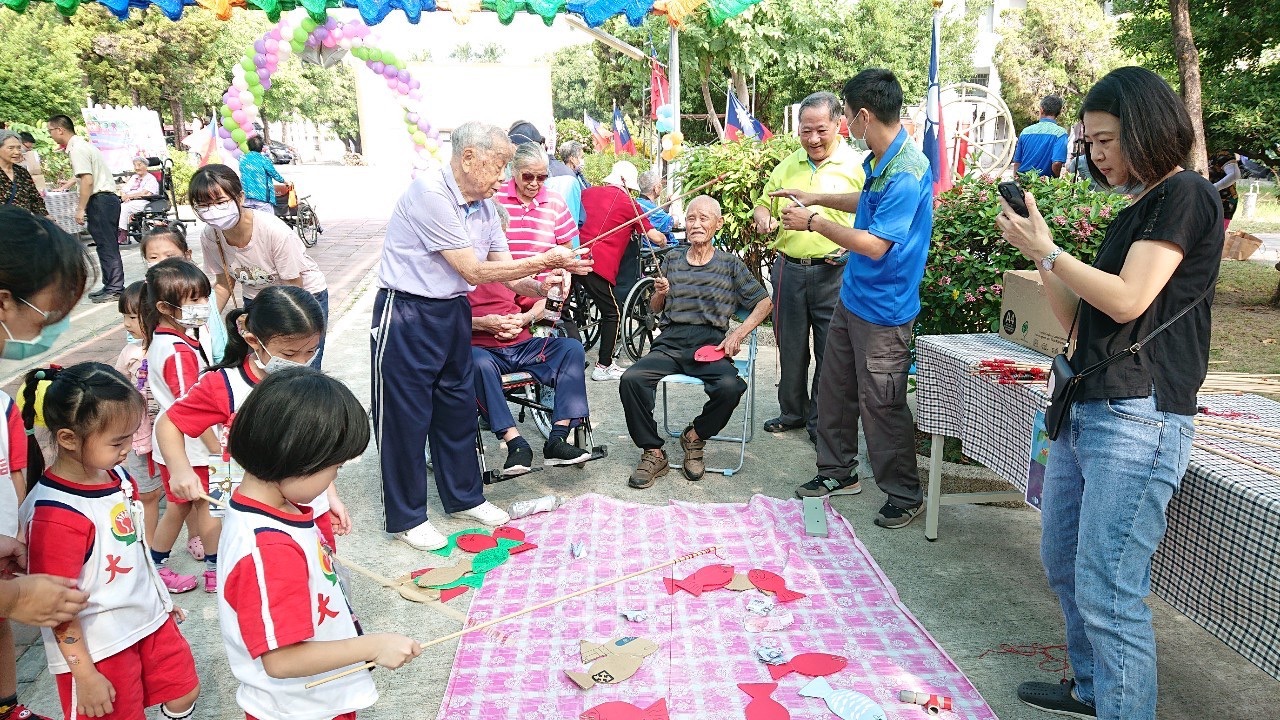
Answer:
(1185, 211)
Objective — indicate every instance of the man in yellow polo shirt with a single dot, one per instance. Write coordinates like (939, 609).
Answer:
(807, 273)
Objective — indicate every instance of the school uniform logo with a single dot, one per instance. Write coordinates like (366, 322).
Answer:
(122, 524)
(326, 564)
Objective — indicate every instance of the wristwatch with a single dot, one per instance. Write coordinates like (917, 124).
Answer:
(1048, 260)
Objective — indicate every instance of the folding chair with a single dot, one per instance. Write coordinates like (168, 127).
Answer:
(747, 371)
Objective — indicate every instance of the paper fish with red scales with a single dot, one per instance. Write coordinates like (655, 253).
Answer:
(773, 583)
(611, 662)
(711, 577)
(811, 664)
(627, 711)
(478, 542)
(451, 542)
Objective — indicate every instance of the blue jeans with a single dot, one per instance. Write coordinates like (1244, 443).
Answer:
(1108, 483)
(555, 362)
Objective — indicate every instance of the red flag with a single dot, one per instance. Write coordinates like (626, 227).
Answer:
(659, 88)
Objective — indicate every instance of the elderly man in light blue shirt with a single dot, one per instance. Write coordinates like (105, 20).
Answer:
(443, 239)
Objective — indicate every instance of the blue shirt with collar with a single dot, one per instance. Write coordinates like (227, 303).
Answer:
(896, 206)
(660, 219)
(1040, 146)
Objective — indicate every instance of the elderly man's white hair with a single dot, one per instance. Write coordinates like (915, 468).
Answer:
(714, 205)
(482, 137)
(648, 179)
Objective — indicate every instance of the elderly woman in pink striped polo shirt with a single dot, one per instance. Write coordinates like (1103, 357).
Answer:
(540, 218)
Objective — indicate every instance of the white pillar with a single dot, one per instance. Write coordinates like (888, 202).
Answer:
(673, 78)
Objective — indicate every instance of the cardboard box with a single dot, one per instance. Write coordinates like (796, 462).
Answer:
(1025, 315)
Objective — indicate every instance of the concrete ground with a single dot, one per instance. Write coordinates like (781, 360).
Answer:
(980, 589)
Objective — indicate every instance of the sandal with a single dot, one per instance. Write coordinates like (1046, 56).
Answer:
(196, 547)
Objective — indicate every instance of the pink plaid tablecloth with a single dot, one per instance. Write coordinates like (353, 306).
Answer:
(704, 648)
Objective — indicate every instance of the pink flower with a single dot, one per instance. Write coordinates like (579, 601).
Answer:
(958, 259)
(997, 289)
(982, 288)
(968, 297)
(1105, 212)
(946, 280)
(985, 196)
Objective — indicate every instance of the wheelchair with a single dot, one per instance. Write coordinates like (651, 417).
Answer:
(639, 324)
(161, 210)
(297, 213)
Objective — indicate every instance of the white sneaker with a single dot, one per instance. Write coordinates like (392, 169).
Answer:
(604, 374)
(486, 513)
(423, 537)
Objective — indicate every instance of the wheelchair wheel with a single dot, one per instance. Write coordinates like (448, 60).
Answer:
(307, 225)
(545, 396)
(584, 313)
(639, 323)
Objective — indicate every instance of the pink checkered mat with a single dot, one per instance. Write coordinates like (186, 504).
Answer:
(704, 648)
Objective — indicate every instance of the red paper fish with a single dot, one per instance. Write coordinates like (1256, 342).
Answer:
(451, 593)
(476, 543)
(762, 705)
(811, 664)
(711, 577)
(773, 582)
(510, 533)
(626, 711)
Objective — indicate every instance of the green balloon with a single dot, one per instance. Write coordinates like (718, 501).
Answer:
(300, 35)
(298, 45)
(238, 135)
(375, 55)
(308, 24)
(230, 123)
(226, 111)
(248, 65)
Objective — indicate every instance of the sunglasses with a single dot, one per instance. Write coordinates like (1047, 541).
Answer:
(530, 177)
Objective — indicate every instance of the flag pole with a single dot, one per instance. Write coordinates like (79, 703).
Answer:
(673, 89)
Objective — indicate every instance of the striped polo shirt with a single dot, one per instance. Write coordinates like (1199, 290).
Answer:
(708, 294)
(539, 226)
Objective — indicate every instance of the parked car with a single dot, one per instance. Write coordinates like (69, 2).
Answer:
(280, 153)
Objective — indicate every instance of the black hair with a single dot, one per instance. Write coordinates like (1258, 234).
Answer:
(130, 302)
(254, 143)
(877, 90)
(203, 183)
(1051, 106)
(35, 254)
(25, 136)
(1155, 129)
(62, 121)
(277, 311)
(82, 398)
(326, 426)
(173, 232)
(171, 281)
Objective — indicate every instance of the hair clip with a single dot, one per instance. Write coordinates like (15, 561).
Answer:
(39, 375)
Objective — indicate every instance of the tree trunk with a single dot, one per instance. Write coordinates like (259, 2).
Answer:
(179, 125)
(740, 87)
(1184, 48)
(704, 78)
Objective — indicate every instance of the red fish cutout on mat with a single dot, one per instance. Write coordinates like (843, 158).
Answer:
(762, 705)
(476, 543)
(451, 593)
(626, 711)
(510, 533)
(811, 664)
(711, 577)
(773, 583)
(708, 353)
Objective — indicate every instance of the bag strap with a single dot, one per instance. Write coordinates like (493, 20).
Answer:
(226, 269)
(1136, 347)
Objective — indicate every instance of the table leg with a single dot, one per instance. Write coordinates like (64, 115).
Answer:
(934, 496)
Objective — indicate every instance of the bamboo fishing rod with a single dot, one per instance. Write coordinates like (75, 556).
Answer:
(518, 613)
(1236, 458)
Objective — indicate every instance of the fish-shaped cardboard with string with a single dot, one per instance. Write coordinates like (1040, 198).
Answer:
(481, 563)
(811, 664)
(711, 577)
(846, 704)
(626, 711)
(611, 662)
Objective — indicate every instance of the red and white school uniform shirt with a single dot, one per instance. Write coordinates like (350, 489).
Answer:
(174, 362)
(214, 400)
(277, 587)
(13, 458)
(93, 534)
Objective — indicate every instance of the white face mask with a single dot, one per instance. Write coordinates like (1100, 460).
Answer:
(276, 364)
(224, 215)
(193, 316)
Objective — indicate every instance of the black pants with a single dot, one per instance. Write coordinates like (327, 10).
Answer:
(102, 215)
(804, 296)
(601, 293)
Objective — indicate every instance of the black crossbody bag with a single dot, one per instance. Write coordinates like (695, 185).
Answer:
(1065, 382)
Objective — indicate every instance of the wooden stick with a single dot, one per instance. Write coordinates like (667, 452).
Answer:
(1236, 458)
(1255, 429)
(1250, 441)
(674, 198)
(518, 613)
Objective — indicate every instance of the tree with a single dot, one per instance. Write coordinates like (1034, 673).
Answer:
(39, 67)
(574, 77)
(1184, 49)
(487, 53)
(1057, 47)
(325, 96)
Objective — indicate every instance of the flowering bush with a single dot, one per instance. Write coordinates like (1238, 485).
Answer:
(960, 292)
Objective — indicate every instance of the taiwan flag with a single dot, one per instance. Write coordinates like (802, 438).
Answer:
(622, 142)
(739, 122)
(600, 135)
(935, 132)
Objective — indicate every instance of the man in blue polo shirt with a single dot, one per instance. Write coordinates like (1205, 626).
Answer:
(1043, 147)
(866, 361)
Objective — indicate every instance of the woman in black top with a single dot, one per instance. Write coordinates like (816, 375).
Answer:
(1127, 441)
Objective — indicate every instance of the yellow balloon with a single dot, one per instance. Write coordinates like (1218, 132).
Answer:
(669, 155)
(677, 137)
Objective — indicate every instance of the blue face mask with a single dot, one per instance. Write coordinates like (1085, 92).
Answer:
(15, 349)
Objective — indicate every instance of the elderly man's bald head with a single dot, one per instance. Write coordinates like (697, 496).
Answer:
(711, 205)
(702, 219)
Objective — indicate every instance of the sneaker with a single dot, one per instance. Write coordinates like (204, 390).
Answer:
(653, 465)
(177, 583)
(211, 581)
(104, 296)
(694, 466)
(893, 517)
(486, 513)
(1058, 698)
(422, 537)
(519, 458)
(563, 453)
(21, 712)
(823, 486)
(196, 547)
(605, 374)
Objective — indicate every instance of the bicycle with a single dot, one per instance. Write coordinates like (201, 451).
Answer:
(298, 214)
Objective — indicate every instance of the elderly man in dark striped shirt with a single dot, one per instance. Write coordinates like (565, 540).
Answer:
(697, 292)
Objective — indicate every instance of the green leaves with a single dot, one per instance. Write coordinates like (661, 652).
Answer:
(746, 165)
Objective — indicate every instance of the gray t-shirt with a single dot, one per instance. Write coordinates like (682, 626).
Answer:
(708, 294)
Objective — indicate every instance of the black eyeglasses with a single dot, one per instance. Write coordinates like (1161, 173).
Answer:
(530, 177)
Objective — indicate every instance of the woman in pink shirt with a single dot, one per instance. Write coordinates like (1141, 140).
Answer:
(540, 218)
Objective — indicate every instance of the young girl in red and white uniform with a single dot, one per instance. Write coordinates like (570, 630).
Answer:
(283, 610)
(176, 303)
(132, 363)
(281, 329)
(123, 653)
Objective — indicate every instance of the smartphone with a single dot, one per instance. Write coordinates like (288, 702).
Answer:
(1013, 195)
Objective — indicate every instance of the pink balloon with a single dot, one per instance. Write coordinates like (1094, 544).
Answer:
(402, 88)
(272, 44)
(271, 68)
(274, 35)
(233, 102)
(391, 83)
(414, 84)
(240, 116)
(329, 42)
(415, 94)
(336, 33)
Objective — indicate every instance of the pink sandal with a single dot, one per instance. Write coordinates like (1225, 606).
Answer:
(196, 547)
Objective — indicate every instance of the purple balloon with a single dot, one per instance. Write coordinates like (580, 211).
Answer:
(266, 84)
(414, 84)
(260, 46)
(376, 66)
(391, 73)
(223, 132)
(263, 74)
(424, 126)
(229, 144)
(312, 41)
(403, 76)
(260, 59)
(411, 117)
(321, 33)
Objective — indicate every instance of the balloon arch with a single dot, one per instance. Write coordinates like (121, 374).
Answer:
(322, 43)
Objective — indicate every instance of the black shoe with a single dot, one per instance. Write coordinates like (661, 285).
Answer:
(893, 517)
(776, 425)
(104, 296)
(519, 458)
(822, 486)
(1056, 698)
(561, 452)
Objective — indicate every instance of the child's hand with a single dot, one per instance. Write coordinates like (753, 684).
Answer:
(185, 485)
(178, 615)
(341, 518)
(95, 693)
(394, 650)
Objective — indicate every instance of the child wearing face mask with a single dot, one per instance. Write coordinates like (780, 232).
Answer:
(132, 363)
(174, 309)
(282, 329)
(162, 243)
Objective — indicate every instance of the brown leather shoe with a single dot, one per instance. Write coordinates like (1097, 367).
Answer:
(653, 465)
(694, 466)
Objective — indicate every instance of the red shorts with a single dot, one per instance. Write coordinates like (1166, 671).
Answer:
(202, 472)
(324, 523)
(157, 669)
(345, 716)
